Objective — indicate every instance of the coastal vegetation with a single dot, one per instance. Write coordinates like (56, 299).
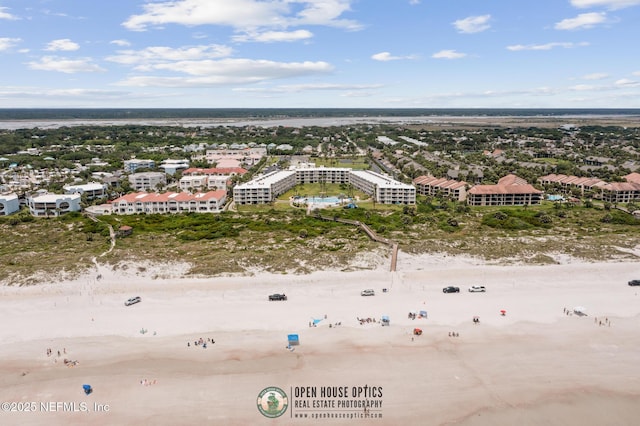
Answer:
(285, 237)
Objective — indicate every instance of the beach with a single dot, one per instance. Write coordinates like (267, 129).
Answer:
(203, 350)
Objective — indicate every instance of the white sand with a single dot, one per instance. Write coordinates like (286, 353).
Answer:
(534, 366)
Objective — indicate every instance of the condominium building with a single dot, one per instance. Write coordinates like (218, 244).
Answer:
(384, 189)
(264, 189)
(130, 166)
(147, 180)
(511, 190)
(92, 190)
(433, 186)
(9, 204)
(53, 204)
(170, 202)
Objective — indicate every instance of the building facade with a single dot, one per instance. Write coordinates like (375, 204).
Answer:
(9, 204)
(92, 190)
(510, 191)
(130, 166)
(433, 186)
(53, 204)
(169, 202)
(266, 188)
(146, 181)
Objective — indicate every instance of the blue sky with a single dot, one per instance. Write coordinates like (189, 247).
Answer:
(320, 53)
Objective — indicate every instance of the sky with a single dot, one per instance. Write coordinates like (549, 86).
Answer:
(319, 53)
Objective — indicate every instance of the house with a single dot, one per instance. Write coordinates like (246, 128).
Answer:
(170, 167)
(511, 190)
(92, 190)
(147, 180)
(130, 166)
(53, 204)
(9, 204)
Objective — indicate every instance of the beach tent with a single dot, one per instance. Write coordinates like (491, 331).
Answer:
(87, 389)
(316, 321)
(423, 314)
(293, 339)
(385, 320)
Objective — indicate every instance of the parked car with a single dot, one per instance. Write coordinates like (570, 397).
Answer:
(477, 289)
(133, 301)
(277, 296)
(634, 282)
(451, 289)
(367, 292)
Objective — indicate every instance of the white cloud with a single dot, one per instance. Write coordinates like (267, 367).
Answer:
(473, 24)
(6, 15)
(123, 43)
(582, 87)
(62, 44)
(414, 2)
(65, 65)
(547, 46)
(243, 14)
(595, 76)
(448, 54)
(274, 36)
(582, 21)
(610, 4)
(636, 73)
(625, 82)
(226, 71)
(7, 43)
(297, 88)
(161, 54)
(386, 56)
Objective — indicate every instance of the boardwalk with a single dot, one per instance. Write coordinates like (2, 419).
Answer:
(371, 234)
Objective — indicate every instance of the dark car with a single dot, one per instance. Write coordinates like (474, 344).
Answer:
(451, 289)
(133, 301)
(277, 296)
(634, 282)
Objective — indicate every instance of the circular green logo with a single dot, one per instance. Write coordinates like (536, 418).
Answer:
(272, 402)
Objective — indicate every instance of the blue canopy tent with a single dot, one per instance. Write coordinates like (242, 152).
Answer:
(385, 320)
(293, 339)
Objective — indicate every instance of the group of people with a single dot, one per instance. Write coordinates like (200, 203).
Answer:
(145, 382)
(454, 334)
(50, 352)
(202, 342)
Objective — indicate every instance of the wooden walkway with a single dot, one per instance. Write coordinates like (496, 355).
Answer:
(371, 234)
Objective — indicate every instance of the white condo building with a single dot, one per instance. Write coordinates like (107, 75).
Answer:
(92, 190)
(53, 204)
(9, 204)
(265, 189)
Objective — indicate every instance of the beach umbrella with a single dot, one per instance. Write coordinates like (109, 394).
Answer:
(87, 389)
(503, 312)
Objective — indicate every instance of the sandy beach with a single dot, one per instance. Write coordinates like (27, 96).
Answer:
(539, 364)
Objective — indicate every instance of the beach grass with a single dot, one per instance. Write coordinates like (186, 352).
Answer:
(286, 240)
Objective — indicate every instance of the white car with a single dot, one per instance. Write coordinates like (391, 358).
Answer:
(477, 289)
(133, 301)
(368, 292)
